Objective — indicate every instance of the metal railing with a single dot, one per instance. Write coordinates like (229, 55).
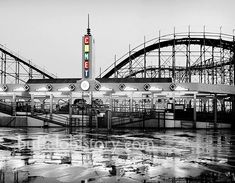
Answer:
(52, 118)
(125, 118)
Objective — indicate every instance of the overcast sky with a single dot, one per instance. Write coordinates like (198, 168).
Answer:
(49, 32)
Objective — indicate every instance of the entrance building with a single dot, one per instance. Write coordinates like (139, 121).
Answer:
(117, 102)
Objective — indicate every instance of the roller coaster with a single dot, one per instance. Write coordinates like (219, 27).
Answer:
(16, 69)
(202, 57)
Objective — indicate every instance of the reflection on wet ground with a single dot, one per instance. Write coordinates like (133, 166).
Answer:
(54, 155)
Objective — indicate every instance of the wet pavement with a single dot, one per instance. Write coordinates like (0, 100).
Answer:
(37, 155)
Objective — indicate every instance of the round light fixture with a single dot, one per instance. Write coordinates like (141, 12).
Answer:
(147, 87)
(49, 87)
(172, 86)
(26, 87)
(72, 87)
(4, 88)
(122, 87)
(85, 85)
(97, 86)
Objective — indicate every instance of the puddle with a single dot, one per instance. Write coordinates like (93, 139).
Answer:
(54, 155)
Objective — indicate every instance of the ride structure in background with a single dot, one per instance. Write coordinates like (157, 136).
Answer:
(15, 69)
(202, 57)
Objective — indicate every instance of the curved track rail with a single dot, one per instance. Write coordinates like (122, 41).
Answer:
(203, 57)
(16, 69)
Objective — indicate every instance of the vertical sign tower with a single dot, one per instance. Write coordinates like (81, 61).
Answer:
(87, 70)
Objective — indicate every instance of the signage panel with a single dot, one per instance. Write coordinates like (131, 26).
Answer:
(87, 57)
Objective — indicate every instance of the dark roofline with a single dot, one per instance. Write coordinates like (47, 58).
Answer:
(103, 80)
(134, 80)
(57, 80)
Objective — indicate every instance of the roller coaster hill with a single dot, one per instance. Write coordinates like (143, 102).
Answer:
(179, 80)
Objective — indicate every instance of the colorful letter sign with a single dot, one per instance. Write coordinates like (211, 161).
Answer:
(86, 65)
(87, 58)
(86, 39)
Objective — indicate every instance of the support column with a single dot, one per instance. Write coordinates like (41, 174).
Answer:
(212, 70)
(109, 119)
(51, 105)
(204, 52)
(152, 101)
(131, 108)
(31, 71)
(115, 69)
(14, 104)
(1, 68)
(195, 110)
(109, 113)
(32, 104)
(173, 108)
(204, 104)
(70, 109)
(131, 102)
(5, 68)
(16, 71)
(222, 105)
(90, 112)
(130, 61)
(111, 101)
(215, 110)
(188, 72)
(230, 70)
(144, 59)
(173, 58)
(43, 105)
(200, 72)
(233, 59)
(189, 57)
(159, 56)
